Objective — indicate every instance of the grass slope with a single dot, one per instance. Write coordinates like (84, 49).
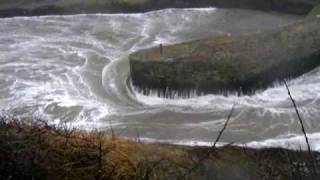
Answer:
(36, 150)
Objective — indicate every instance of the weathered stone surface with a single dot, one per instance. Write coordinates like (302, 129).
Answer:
(230, 63)
(10, 8)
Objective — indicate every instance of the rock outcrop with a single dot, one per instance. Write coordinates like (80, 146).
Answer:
(45, 7)
(227, 63)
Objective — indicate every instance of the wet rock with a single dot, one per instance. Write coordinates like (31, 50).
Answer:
(242, 63)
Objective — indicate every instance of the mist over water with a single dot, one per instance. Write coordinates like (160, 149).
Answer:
(75, 69)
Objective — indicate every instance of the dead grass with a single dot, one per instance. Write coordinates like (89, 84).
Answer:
(35, 150)
(38, 151)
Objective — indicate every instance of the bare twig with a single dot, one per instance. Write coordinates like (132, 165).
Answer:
(224, 128)
(302, 126)
(212, 148)
(299, 116)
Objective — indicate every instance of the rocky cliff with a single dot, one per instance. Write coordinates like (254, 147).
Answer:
(221, 64)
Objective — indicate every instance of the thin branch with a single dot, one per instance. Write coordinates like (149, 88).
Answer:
(302, 125)
(212, 148)
(224, 127)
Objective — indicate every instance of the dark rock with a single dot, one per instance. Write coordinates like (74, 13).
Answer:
(47, 7)
(221, 64)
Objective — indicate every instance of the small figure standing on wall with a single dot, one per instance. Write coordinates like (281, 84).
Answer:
(161, 49)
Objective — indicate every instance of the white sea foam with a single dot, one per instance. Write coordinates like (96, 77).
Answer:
(293, 141)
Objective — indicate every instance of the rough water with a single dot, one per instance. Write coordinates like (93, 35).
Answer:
(74, 69)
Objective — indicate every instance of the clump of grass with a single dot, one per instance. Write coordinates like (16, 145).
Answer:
(39, 151)
(36, 150)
